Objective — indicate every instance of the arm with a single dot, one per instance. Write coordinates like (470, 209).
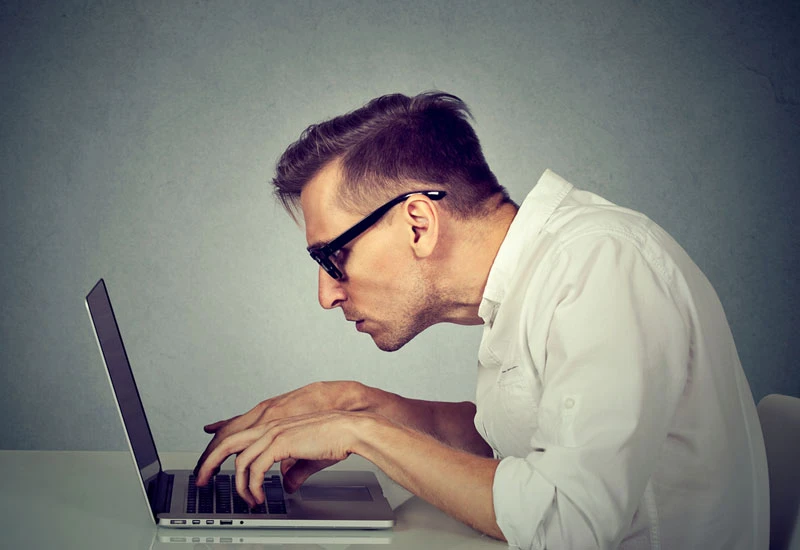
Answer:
(450, 423)
(458, 482)
(611, 346)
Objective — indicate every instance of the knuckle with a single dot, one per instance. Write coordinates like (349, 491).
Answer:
(270, 426)
(240, 462)
(225, 447)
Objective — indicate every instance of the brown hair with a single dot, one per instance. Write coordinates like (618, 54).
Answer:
(390, 145)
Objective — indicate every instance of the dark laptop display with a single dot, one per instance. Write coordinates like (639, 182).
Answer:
(328, 500)
(119, 370)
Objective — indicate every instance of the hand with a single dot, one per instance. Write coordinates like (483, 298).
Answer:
(316, 397)
(305, 442)
(297, 471)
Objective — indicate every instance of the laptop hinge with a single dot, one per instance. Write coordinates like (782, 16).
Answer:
(159, 492)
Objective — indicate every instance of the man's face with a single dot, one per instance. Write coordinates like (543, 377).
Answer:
(383, 289)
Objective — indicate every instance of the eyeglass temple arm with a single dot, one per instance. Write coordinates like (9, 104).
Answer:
(359, 228)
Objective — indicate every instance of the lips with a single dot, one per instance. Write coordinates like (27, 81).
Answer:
(359, 322)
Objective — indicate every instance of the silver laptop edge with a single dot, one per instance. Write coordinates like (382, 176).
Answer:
(380, 517)
(152, 469)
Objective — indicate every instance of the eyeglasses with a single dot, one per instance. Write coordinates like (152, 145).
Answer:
(322, 252)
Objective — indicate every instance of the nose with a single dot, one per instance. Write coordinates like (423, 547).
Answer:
(331, 294)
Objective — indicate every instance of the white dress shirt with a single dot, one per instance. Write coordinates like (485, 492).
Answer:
(610, 387)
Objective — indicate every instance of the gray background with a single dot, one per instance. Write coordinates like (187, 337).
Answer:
(138, 138)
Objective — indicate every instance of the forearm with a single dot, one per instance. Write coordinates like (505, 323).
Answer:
(458, 482)
(450, 423)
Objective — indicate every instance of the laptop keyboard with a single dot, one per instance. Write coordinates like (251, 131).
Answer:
(219, 496)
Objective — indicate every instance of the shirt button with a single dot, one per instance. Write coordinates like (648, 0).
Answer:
(569, 403)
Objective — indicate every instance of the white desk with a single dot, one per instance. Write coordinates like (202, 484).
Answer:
(67, 499)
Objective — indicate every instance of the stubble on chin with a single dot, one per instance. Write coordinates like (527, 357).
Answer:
(395, 339)
(416, 317)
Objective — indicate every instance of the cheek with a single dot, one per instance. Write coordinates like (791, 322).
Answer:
(383, 263)
(376, 283)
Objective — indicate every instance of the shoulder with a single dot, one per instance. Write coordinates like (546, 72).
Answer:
(586, 226)
(584, 214)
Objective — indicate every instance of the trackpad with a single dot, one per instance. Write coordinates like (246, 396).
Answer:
(341, 494)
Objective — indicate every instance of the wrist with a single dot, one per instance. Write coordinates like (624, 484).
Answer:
(360, 397)
(355, 396)
(368, 430)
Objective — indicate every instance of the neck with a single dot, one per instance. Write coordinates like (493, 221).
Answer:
(471, 247)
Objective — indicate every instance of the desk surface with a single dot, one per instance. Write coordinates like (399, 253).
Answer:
(74, 499)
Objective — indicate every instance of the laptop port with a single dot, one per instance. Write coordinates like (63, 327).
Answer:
(226, 522)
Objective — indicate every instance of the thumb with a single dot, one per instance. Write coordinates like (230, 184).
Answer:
(301, 470)
(286, 464)
(213, 428)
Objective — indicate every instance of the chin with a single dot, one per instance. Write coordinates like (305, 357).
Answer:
(392, 342)
(389, 346)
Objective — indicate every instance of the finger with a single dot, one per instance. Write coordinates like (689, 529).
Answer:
(224, 428)
(226, 448)
(196, 473)
(255, 442)
(258, 469)
(253, 463)
(204, 456)
(243, 480)
(217, 428)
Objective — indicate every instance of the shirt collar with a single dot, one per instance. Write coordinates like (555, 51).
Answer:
(531, 217)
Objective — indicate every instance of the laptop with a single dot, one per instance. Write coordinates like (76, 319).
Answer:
(332, 499)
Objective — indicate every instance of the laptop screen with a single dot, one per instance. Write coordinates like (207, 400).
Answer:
(119, 371)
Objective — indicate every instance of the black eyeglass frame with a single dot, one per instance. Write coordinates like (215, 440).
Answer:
(322, 252)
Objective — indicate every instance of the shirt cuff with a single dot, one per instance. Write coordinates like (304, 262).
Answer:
(523, 500)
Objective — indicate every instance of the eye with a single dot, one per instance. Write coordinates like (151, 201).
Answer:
(340, 256)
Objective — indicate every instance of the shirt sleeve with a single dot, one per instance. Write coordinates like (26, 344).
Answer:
(616, 362)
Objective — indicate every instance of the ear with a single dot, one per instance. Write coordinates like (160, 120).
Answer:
(422, 218)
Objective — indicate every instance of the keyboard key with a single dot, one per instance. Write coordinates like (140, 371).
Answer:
(222, 492)
(191, 496)
(206, 498)
(273, 490)
(274, 493)
(239, 505)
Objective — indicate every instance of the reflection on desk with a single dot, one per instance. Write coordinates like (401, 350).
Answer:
(261, 538)
(73, 499)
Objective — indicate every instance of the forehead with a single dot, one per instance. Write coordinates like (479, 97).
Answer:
(324, 219)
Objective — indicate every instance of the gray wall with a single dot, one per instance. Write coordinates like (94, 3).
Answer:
(137, 141)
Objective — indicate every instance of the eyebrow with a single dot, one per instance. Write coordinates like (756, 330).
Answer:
(319, 244)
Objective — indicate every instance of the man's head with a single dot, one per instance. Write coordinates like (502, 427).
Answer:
(386, 148)
(394, 277)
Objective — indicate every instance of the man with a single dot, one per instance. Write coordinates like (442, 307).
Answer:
(611, 406)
